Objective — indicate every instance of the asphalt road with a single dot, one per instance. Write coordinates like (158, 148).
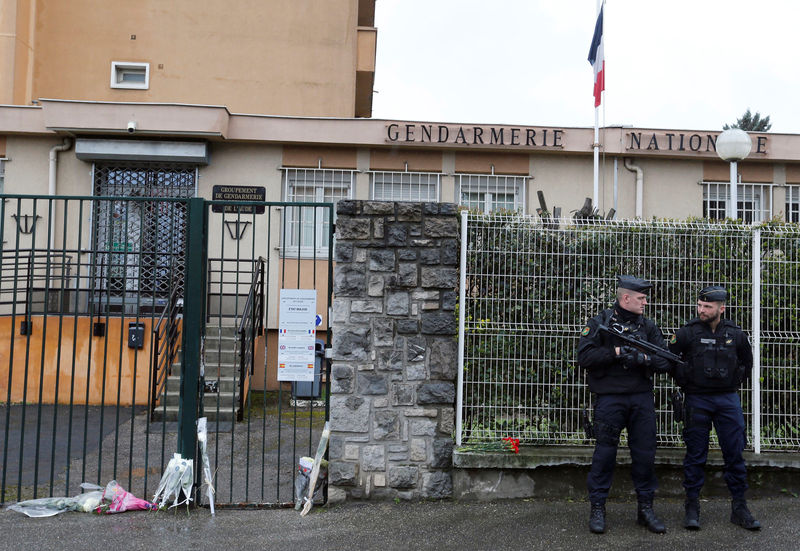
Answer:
(514, 524)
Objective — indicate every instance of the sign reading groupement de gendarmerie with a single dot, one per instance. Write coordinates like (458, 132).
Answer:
(238, 193)
(457, 134)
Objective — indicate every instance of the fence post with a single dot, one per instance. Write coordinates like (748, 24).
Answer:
(462, 293)
(192, 328)
(756, 398)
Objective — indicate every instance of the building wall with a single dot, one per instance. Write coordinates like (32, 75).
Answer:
(254, 56)
(670, 185)
(69, 370)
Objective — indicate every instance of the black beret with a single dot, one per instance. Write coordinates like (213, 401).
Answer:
(714, 293)
(634, 283)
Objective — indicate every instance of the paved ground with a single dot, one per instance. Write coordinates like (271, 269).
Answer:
(517, 524)
(254, 462)
(54, 434)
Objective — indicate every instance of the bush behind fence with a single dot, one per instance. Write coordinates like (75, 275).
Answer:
(530, 288)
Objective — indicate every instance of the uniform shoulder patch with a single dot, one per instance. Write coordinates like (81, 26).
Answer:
(674, 339)
(585, 331)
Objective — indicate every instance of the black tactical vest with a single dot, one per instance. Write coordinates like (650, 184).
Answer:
(712, 357)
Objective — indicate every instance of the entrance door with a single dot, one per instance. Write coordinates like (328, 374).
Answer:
(138, 260)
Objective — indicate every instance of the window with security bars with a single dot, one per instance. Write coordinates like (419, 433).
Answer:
(491, 193)
(308, 228)
(793, 203)
(754, 201)
(404, 186)
(139, 235)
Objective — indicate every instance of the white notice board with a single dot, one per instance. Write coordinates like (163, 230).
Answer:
(297, 334)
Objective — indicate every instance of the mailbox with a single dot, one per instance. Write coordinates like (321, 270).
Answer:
(135, 335)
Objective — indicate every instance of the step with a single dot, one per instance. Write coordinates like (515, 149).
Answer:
(171, 414)
(215, 356)
(213, 370)
(226, 401)
(225, 331)
(224, 383)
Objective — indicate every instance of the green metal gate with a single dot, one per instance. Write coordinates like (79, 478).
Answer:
(124, 319)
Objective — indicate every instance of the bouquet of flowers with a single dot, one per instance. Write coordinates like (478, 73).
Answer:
(176, 481)
(116, 499)
(507, 444)
(49, 506)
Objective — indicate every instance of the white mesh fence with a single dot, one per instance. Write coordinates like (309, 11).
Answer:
(528, 289)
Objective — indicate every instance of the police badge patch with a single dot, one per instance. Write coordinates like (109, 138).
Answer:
(674, 339)
(585, 331)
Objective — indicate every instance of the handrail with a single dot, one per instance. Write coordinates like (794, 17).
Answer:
(166, 338)
(250, 326)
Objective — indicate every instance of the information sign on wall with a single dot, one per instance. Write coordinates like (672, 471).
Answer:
(297, 334)
(238, 193)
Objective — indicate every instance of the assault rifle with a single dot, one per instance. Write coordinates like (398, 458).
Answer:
(641, 344)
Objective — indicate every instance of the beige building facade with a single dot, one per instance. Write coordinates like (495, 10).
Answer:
(645, 173)
(273, 100)
(302, 58)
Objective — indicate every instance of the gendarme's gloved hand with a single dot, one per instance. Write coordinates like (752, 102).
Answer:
(632, 357)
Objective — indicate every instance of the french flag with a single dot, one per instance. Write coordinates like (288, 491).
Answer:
(597, 59)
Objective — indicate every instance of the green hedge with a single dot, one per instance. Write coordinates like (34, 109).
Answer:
(530, 290)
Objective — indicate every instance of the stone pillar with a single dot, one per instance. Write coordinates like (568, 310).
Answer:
(394, 350)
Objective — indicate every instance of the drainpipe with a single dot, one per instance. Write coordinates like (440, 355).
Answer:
(639, 185)
(51, 185)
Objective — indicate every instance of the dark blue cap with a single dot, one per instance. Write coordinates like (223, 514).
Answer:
(634, 284)
(714, 293)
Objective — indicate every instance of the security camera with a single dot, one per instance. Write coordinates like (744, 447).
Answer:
(131, 127)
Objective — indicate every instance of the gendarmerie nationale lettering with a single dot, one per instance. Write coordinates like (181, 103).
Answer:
(672, 141)
(475, 135)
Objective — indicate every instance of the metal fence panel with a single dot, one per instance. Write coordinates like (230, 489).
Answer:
(75, 389)
(99, 368)
(528, 288)
(256, 438)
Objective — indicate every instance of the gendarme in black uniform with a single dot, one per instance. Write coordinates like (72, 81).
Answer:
(622, 381)
(718, 359)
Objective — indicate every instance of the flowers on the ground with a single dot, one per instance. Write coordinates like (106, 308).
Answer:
(507, 444)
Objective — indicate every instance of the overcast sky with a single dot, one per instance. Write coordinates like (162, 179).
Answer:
(682, 64)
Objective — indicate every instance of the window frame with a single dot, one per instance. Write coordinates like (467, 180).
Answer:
(321, 230)
(474, 185)
(3, 160)
(119, 67)
(436, 184)
(792, 203)
(747, 201)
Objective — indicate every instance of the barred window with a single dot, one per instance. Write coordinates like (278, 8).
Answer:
(404, 186)
(307, 227)
(793, 203)
(754, 201)
(139, 244)
(491, 193)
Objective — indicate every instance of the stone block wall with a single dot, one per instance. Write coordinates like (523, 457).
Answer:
(394, 350)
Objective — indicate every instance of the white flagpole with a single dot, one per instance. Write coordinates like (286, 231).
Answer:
(596, 144)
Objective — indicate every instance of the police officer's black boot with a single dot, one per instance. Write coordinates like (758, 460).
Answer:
(597, 518)
(647, 517)
(740, 515)
(692, 519)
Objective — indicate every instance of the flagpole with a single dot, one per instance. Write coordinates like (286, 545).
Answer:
(596, 144)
